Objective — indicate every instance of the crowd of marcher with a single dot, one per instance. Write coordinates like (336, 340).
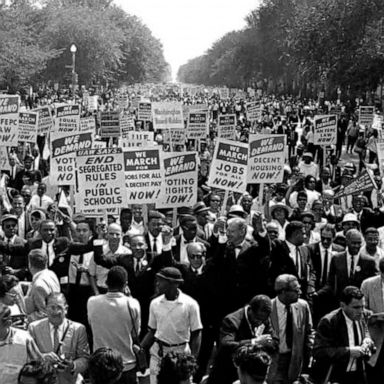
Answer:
(282, 284)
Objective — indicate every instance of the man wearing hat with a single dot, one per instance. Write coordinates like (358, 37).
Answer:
(174, 321)
(307, 166)
(200, 211)
(17, 263)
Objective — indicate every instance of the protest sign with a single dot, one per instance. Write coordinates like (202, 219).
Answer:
(101, 180)
(197, 125)
(226, 128)
(122, 101)
(143, 175)
(137, 139)
(67, 118)
(377, 122)
(127, 124)
(109, 124)
(363, 182)
(179, 186)
(88, 124)
(167, 115)
(229, 166)
(27, 131)
(144, 111)
(92, 103)
(45, 122)
(253, 110)
(266, 158)
(63, 153)
(9, 120)
(224, 93)
(325, 130)
(380, 155)
(175, 136)
(366, 115)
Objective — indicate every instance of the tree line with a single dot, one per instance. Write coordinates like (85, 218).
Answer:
(299, 46)
(112, 45)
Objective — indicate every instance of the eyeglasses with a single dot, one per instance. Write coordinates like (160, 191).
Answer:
(194, 257)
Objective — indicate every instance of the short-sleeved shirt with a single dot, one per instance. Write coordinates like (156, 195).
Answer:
(174, 320)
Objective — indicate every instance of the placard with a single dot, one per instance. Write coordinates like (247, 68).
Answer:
(88, 124)
(110, 124)
(45, 122)
(67, 119)
(101, 180)
(253, 110)
(266, 158)
(144, 111)
(27, 127)
(177, 136)
(179, 186)
(226, 128)
(229, 166)
(197, 125)
(9, 120)
(143, 175)
(63, 154)
(363, 182)
(167, 115)
(135, 139)
(325, 130)
(366, 114)
(4, 159)
(127, 124)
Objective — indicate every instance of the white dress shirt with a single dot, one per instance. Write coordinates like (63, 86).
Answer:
(60, 331)
(159, 242)
(349, 261)
(293, 253)
(282, 318)
(47, 248)
(322, 257)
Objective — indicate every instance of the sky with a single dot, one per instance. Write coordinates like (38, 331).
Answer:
(187, 28)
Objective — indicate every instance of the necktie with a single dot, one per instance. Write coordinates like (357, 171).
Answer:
(154, 250)
(352, 270)
(78, 274)
(41, 202)
(289, 327)
(356, 337)
(137, 267)
(56, 340)
(325, 269)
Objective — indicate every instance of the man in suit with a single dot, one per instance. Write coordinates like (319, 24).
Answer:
(152, 237)
(15, 168)
(16, 264)
(372, 289)
(44, 282)
(188, 225)
(366, 216)
(320, 256)
(18, 209)
(292, 322)
(200, 211)
(61, 341)
(342, 342)
(247, 325)
(28, 160)
(348, 268)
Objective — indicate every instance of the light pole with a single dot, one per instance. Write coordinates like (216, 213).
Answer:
(73, 49)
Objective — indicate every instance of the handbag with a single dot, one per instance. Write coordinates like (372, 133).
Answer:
(141, 357)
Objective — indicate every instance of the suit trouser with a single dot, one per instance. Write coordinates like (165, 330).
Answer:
(281, 375)
(157, 354)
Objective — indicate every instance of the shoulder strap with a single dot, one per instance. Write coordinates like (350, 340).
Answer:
(135, 336)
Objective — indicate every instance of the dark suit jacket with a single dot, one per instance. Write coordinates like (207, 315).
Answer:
(234, 332)
(331, 346)
(338, 277)
(18, 183)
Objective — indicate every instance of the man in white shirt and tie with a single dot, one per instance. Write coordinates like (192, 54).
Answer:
(153, 236)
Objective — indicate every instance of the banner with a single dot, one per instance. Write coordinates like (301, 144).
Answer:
(143, 175)
(101, 181)
(197, 125)
(175, 135)
(127, 124)
(137, 139)
(63, 154)
(67, 119)
(226, 128)
(167, 115)
(363, 182)
(45, 122)
(110, 124)
(325, 130)
(88, 124)
(266, 158)
(28, 127)
(9, 120)
(366, 114)
(144, 111)
(229, 166)
(253, 110)
(179, 186)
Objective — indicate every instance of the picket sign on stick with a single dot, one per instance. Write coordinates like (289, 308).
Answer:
(261, 194)
(174, 217)
(72, 196)
(224, 205)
